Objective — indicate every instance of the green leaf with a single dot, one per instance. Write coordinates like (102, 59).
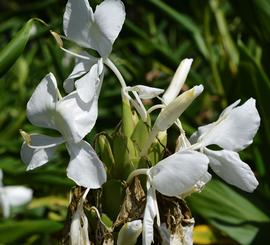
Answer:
(229, 211)
(15, 47)
(12, 231)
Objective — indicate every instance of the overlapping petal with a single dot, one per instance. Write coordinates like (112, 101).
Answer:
(85, 168)
(228, 165)
(81, 67)
(179, 172)
(86, 85)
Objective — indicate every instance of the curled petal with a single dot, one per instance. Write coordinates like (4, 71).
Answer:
(18, 195)
(179, 172)
(228, 165)
(78, 18)
(41, 150)
(234, 129)
(41, 105)
(85, 168)
(146, 92)
(178, 80)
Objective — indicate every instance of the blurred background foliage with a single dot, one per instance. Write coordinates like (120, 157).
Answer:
(229, 42)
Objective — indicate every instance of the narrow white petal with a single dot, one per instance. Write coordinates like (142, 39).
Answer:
(129, 233)
(85, 168)
(150, 212)
(179, 172)
(109, 19)
(178, 80)
(228, 165)
(146, 92)
(34, 158)
(42, 103)
(235, 129)
(79, 227)
(18, 195)
(81, 67)
(78, 18)
(86, 85)
(172, 111)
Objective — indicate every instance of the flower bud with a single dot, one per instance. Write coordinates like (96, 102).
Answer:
(178, 80)
(173, 110)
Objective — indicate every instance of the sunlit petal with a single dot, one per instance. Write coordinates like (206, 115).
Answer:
(179, 172)
(85, 168)
(228, 165)
(18, 195)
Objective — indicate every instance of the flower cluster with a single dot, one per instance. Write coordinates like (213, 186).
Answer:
(74, 115)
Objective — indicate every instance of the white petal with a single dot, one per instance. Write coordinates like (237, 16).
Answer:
(129, 233)
(4, 203)
(78, 18)
(146, 92)
(229, 166)
(34, 158)
(178, 80)
(42, 103)
(85, 168)
(172, 111)
(81, 67)
(79, 228)
(235, 129)
(18, 195)
(75, 118)
(179, 172)
(86, 85)
(109, 19)
(150, 212)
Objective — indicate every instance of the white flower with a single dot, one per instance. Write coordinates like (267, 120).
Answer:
(178, 80)
(175, 175)
(96, 30)
(73, 119)
(13, 196)
(233, 131)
